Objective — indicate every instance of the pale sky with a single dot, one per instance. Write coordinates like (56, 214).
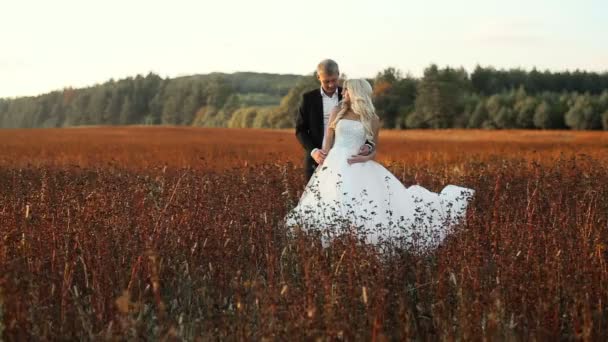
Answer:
(47, 45)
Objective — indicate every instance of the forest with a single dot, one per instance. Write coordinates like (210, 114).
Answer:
(443, 97)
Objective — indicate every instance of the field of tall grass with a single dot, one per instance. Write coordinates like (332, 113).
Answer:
(175, 233)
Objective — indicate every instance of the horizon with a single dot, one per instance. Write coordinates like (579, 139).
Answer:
(280, 74)
(63, 44)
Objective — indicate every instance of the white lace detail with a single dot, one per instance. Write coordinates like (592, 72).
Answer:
(350, 134)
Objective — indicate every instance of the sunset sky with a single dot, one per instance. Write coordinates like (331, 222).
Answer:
(47, 45)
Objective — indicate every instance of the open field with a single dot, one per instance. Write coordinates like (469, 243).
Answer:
(174, 233)
(209, 148)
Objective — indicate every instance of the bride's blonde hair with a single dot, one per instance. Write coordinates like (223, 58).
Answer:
(360, 93)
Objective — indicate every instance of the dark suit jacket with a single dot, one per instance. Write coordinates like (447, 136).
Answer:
(309, 125)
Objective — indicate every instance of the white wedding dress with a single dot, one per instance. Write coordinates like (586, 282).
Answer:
(369, 201)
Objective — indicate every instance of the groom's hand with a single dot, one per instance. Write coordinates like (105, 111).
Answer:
(319, 156)
(365, 150)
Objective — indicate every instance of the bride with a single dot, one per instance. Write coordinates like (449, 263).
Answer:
(350, 193)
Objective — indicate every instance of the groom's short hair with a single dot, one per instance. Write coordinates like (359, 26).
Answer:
(328, 67)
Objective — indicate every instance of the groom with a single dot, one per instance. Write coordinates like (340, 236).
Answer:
(313, 116)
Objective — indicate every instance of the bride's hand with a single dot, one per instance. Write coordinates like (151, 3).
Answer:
(357, 159)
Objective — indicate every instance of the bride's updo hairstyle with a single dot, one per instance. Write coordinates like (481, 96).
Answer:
(360, 94)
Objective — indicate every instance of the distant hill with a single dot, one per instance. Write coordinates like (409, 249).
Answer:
(207, 100)
(442, 98)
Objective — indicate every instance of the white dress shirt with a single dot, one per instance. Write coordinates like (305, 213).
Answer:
(329, 103)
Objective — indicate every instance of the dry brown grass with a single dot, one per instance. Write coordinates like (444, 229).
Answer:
(204, 148)
(162, 233)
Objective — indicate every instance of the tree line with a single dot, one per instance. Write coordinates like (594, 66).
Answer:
(203, 100)
(442, 98)
(493, 99)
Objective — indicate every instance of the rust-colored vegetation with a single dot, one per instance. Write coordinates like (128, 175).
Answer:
(174, 233)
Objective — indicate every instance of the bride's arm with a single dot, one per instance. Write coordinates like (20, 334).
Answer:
(330, 132)
(376, 129)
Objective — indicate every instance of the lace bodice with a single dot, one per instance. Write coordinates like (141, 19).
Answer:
(350, 134)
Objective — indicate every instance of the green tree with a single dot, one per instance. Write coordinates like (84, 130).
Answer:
(441, 95)
(191, 105)
(504, 118)
(243, 118)
(605, 120)
(218, 90)
(546, 117)
(169, 114)
(394, 97)
(126, 112)
(525, 110)
(479, 117)
(583, 114)
(97, 104)
(112, 111)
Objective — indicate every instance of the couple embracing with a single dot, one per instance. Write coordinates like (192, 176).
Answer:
(347, 191)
